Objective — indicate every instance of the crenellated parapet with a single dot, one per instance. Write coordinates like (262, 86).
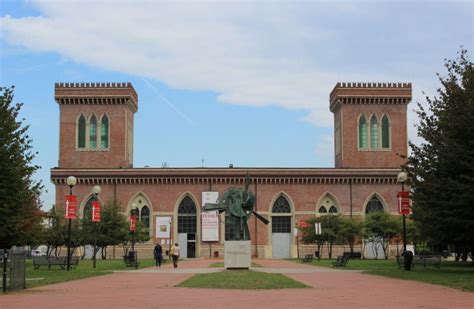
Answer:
(370, 93)
(96, 94)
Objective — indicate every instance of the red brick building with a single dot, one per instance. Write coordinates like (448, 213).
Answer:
(96, 146)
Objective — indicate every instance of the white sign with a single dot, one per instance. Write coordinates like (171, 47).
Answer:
(210, 197)
(163, 227)
(317, 228)
(210, 225)
(295, 232)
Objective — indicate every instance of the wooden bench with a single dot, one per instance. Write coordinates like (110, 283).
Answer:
(49, 261)
(341, 261)
(131, 260)
(308, 258)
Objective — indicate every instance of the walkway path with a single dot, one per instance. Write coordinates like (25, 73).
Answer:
(154, 288)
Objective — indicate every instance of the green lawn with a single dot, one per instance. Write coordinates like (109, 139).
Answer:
(221, 265)
(241, 280)
(451, 274)
(44, 276)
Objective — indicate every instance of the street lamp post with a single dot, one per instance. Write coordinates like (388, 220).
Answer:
(71, 182)
(402, 178)
(133, 219)
(96, 190)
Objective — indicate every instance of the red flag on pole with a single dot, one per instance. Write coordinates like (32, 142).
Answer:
(404, 202)
(71, 206)
(96, 211)
(133, 223)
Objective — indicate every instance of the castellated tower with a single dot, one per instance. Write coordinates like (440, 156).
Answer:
(370, 124)
(96, 124)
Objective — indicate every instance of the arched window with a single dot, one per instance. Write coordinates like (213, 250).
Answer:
(93, 133)
(333, 210)
(385, 132)
(81, 132)
(281, 205)
(374, 132)
(373, 205)
(104, 132)
(281, 224)
(362, 132)
(145, 217)
(322, 210)
(187, 216)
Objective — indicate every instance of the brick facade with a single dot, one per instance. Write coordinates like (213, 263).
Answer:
(357, 178)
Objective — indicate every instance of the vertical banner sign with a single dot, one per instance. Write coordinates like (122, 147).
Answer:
(404, 202)
(71, 206)
(95, 211)
(133, 223)
(163, 227)
(317, 228)
(210, 225)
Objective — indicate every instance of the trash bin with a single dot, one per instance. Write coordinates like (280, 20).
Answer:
(216, 254)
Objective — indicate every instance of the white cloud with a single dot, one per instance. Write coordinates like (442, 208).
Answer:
(249, 53)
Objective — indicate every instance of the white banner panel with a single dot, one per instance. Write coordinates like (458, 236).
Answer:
(210, 197)
(163, 227)
(210, 225)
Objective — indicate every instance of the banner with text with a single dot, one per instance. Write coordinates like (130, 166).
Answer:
(163, 227)
(210, 225)
(71, 207)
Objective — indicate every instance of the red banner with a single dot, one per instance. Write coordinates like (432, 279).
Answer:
(133, 223)
(71, 207)
(404, 207)
(96, 211)
(303, 224)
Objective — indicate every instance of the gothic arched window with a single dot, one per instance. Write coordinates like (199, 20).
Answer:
(374, 132)
(322, 210)
(187, 219)
(81, 132)
(385, 132)
(362, 132)
(281, 205)
(93, 132)
(104, 132)
(145, 217)
(374, 205)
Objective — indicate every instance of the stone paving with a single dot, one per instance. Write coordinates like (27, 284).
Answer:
(154, 288)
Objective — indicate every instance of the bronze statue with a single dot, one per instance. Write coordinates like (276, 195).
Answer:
(238, 205)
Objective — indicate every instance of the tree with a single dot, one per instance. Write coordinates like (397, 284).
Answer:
(330, 232)
(442, 166)
(19, 192)
(380, 228)
(350, 231)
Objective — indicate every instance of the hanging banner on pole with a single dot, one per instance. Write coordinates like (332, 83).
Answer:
(133, 223)
(71, 207)
(404, 202)
(317, 228)
(163, 225)
(210, 225)
(95, 211)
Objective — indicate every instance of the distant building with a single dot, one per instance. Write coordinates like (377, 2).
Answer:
(96, 146)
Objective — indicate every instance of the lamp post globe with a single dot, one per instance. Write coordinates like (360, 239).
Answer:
(96, 190)
(71, 181)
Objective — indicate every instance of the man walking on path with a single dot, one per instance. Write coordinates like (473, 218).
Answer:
(175, 254)
(158, 254)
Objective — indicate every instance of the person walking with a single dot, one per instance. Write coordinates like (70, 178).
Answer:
(175, 254)
(158, 254)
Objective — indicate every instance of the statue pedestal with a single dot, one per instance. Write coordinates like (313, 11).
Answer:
(237, 254)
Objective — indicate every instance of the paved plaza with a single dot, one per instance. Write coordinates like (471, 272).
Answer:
(154, 288)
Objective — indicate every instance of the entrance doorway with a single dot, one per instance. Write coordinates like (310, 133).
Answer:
(187, 227)
(281, 229)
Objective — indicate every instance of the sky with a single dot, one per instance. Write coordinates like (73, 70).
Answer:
(223, 82)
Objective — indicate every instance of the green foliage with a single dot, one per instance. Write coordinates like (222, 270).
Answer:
(350, 231)
(19, 203)
(331, 226)
(380, 227)
(443, 165)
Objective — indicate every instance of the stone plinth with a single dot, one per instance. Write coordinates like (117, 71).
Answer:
(237, 254)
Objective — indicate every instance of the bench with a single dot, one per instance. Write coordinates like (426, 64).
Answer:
(308, 258)
(131, 260)
(49, 261)
(424, 260)
(341, 261)
(352, 255)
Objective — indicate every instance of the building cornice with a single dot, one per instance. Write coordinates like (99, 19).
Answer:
(234, 176)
